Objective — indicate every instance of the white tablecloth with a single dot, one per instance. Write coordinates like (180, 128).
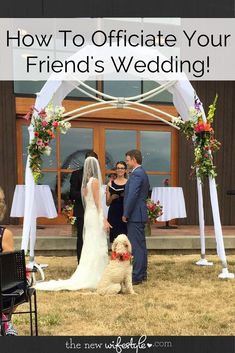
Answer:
(172, 200)
(43, 202)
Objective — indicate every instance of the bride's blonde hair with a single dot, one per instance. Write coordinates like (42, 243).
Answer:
(3, 206)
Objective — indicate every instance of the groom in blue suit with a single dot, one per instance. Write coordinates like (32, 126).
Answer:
(135, 213)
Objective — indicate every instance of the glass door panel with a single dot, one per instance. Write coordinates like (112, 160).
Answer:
(158, 180)
(65, 187)
(117, 143)
(74, 146)
(156, 150)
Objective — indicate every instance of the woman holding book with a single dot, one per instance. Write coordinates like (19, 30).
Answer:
(114, 199)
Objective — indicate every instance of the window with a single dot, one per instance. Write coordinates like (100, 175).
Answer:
(113, 88)
(122, 88)
(32, 87)
(163, 97)
(156, 150)
(117, 143)
(156, 147)
(111, 136)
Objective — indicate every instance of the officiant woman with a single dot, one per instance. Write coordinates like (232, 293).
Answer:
(114, 199)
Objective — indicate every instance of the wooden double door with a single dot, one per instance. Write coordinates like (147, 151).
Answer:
(110, 140)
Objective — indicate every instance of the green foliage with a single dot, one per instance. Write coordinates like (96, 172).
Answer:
(199, 130)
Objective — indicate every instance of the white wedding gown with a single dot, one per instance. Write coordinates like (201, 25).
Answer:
(94, 256)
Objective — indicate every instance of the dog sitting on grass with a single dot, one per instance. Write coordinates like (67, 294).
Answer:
(117, 277)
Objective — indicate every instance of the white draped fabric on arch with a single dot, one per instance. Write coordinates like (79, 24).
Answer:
(56, 90)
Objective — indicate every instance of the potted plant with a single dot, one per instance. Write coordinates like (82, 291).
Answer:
(67, 211)
(154, 211)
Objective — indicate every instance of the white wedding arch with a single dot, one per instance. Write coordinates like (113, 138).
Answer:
(56, 90)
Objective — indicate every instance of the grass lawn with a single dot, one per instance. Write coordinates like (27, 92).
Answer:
(179, 298)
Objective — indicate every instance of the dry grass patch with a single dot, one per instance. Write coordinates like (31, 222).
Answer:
(179, 298)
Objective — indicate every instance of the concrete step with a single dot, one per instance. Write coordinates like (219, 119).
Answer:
(65, 246)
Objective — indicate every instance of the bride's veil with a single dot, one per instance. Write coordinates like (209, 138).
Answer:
(91, 169)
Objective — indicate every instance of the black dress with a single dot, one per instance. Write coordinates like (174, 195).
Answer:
(115, 214)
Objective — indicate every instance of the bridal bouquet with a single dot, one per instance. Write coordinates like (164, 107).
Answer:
(201, 133)
(67, 211)
(45, 125)
(154, 210)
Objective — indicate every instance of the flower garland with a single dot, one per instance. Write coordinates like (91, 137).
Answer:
(202, 135)
(154, 210)
(45, 124)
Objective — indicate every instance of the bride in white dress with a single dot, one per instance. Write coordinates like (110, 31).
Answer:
(94, 256)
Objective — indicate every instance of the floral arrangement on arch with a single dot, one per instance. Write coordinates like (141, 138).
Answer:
(154, 210)
(45, 125)
(201, 133)
(67, 211)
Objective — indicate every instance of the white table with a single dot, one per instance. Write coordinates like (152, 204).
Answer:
(43, 202)
(172, 200)
(42, 206)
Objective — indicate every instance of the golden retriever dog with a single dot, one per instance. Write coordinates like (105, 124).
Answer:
(117, 277)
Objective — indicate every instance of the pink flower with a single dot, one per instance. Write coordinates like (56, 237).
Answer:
(44, 123)
(30, 113)
(202, 127)
(42, 114)
(39, 142)
(55, 124)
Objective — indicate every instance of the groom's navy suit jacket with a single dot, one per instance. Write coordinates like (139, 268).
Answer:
(136, 193)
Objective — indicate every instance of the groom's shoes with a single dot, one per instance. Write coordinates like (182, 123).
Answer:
(140, 281)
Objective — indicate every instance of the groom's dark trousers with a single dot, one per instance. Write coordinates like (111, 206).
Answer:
(137, 238)
(135, 209)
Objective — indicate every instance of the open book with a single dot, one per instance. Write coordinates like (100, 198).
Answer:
(116, 191)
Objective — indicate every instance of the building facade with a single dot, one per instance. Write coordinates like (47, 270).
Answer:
(166, 154)
(111, 133)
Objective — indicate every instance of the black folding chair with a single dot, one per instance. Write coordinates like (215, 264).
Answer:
(15, 290)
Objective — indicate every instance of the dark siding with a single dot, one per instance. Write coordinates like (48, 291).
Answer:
(224, 126)
(8, 170)
(120, 8)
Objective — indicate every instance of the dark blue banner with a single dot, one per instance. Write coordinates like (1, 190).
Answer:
(120, 344)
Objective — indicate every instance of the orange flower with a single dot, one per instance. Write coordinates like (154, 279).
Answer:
(207, 127)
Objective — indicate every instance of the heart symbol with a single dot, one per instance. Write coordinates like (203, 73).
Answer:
(149, 345)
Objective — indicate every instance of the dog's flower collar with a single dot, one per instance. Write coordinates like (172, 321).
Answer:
(121, 257)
